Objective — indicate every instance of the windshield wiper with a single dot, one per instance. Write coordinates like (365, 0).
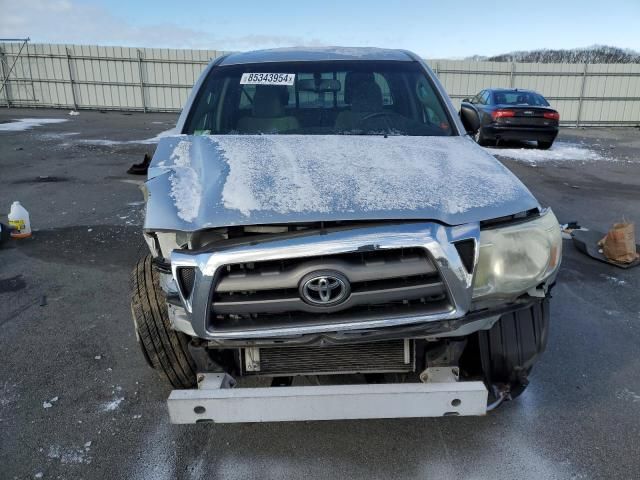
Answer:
(364, 132)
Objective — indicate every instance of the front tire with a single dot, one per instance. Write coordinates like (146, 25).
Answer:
(544, 145)
(164, 349)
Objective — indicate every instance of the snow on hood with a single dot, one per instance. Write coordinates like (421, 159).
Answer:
(206, 181)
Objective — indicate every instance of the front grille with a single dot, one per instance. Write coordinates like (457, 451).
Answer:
(383, 283)
(379, 357)
(467, 251)
(186, 277)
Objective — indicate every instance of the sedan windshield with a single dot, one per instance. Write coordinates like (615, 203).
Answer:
(340, 97)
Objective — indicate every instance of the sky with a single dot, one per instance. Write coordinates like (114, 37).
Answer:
(433, 29)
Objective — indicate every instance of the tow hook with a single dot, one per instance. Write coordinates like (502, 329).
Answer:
(501, 393)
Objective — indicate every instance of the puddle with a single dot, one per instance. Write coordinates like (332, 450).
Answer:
(41, 179)
(12, 284)
(98, 246)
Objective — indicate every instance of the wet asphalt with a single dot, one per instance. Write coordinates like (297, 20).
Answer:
(78, 401)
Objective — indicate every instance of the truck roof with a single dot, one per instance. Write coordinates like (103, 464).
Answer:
(317, 54)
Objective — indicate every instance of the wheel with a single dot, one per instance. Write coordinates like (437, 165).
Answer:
(482, 141)
(544, 145)
(509, 349)
(163, 348)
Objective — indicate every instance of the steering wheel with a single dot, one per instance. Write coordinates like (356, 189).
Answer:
(382, 113)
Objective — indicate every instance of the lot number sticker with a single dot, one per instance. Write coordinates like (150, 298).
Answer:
(267, 78)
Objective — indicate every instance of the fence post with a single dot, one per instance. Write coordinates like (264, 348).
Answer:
(144, 105)
(73, 92)
(5, 81)
(33, 89)
(512, 74)
(584, 78)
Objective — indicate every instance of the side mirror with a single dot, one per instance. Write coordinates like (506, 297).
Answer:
(470, 119)
(468, 100)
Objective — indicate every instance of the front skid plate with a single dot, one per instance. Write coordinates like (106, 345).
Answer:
(334, 402)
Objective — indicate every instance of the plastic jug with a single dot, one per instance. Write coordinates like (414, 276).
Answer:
(19, 221)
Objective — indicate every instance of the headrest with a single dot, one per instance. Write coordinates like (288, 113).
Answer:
(366, 97)
(351, 82)
(269, 101)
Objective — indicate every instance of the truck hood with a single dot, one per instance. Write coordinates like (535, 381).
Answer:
(198, 182)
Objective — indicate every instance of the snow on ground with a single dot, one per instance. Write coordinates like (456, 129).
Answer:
(8, 394)
(614, 280)
(21, 124)
(69, 455)
(560, 151)
(628, 395)
(146, 141)
(49, 403)
(112, 405)
(58, 136)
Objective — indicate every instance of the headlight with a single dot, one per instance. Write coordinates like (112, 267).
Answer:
(517, 258)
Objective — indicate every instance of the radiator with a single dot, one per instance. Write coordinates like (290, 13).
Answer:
(374, 357)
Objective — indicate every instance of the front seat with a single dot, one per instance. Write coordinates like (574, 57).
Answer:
(268, 115)
(366, 98)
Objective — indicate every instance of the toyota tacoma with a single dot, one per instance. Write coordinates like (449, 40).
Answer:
(328, 242)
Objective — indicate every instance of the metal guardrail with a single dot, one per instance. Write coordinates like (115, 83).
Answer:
(154, 80)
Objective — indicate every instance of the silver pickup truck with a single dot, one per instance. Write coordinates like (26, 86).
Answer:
(327, 242)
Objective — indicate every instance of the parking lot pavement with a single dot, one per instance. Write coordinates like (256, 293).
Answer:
(78, 401)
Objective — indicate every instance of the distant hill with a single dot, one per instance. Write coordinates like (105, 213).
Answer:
(594, 54)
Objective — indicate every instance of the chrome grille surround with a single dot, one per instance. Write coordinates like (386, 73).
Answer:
(437, 240)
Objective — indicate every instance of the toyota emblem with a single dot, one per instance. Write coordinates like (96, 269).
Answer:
(324, 288)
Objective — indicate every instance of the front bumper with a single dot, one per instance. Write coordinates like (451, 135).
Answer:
(215, 401)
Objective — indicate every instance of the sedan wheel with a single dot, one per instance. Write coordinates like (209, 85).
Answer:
(480, 140)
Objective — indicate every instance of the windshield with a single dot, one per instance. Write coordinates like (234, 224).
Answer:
(520, 98)
(357, 98)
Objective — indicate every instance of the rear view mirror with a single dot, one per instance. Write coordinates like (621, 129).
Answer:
(307, 85)
(470, 119)
(326, 85)
(329, 85)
